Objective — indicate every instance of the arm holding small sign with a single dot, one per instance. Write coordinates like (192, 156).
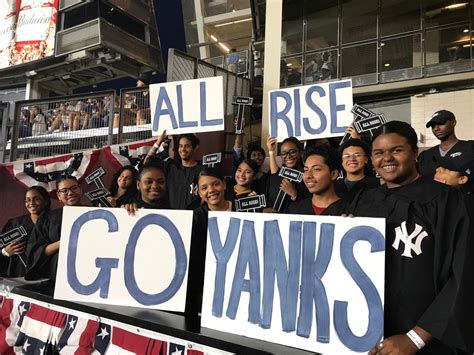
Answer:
(272, 151)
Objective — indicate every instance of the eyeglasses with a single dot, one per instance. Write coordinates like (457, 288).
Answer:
(66, 190)
(352, 156)
(289, 154)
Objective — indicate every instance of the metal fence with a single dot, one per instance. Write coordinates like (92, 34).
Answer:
(66, 124)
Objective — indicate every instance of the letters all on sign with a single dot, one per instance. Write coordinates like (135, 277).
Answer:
(190, 106)
(310, 282)
(312, 111)
(107, 256)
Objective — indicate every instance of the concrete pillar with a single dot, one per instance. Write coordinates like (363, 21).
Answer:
(271, 63)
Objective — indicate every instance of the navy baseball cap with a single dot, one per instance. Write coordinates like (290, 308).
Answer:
(440, 117)
(463, 164)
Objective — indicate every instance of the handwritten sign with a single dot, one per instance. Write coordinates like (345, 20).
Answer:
(310, 282)
(190, 106)
(312, 111)
(107, 256)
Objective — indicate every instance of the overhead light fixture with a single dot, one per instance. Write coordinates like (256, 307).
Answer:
(214, 38)
(456, 6)
(386, 65)
(289, 64)
(466, 30)
(66, 77)
(222, 45)
(467, 45)
(382, 44)
(233, 22)
(30, 73)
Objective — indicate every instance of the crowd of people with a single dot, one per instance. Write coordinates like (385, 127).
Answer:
(429, 253)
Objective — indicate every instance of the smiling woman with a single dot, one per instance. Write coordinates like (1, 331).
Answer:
(428, 258)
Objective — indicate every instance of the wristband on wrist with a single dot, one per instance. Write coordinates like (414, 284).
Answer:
(416, 339)
(5, 253)
(271, 152)
(156, 146)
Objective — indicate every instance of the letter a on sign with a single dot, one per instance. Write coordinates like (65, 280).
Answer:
(190, 106)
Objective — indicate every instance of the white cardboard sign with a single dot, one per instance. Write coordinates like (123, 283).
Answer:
(309, 282)
(312, 111)
(190, 106)
(107, 256)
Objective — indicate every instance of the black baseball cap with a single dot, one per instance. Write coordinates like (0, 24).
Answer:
(440, 117)
(463, 164)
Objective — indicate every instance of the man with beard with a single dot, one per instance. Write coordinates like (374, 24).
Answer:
(442, 124)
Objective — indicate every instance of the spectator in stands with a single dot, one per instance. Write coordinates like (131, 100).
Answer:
(232, 60)
(38, 120)
(93, 114)
(25, 124)
(152, 192)
(13, 257)
(357, 169)
(42, 251)
(290, 151)
(123, 189)
(457, 172)
(142, 100)
(322, 164)
(442, 124)
(244, 178)
(428, 305)
(181, 174)
(257, 154)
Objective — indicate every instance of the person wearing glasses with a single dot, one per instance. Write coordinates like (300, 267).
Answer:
(13, 258)
(290, 152)
(42, 252)
(357, 169)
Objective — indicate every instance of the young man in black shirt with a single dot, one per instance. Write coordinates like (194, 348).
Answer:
(442, 124)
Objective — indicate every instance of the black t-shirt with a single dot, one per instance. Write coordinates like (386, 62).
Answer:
(181, 184)
(428, 272)
(273, 193)
(347, 192)
(306, 207)
(428, 160)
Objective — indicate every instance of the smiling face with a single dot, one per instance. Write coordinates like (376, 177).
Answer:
(290, 155)
(34, 202)
(354, 160)
(244, 175)
(211, 190)
(317, 176)
(394, 159)
(152, 185)
(69, 192)
(185, 149)
(125, 179)
(257, 157)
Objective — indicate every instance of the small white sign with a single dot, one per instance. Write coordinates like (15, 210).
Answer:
(107, 256)
(190, 106)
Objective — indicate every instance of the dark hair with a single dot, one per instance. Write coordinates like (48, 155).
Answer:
(151, 166)
(44, 194)
(132, 190)
(63, 177)
(355, 142)
(190, 137)
(295, 141)
(251, 164)
(214, 172)
(401, 128)
(331, 157)
(255, 148)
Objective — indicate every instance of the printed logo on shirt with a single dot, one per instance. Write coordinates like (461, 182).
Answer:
(454, 155)
(412, 241)
(193, 189)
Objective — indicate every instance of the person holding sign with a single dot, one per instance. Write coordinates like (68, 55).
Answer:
(42, 251)
(124, 186)
(13, 258)
(211, 189)
(428, 257)
(181, 175)
(321, 169)
(244, 177)
(290, 151)
(356, 164)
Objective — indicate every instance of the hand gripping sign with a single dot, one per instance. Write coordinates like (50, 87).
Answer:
(16, 234)
(241, 102)
(290, 174)
(365, 120)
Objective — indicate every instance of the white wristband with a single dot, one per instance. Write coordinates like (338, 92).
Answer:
(156, 146)
(5, 253)
(416, 339)
(271, 152)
